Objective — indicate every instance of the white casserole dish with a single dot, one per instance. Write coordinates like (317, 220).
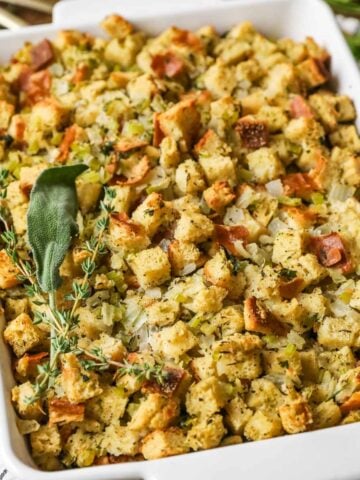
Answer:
(331, 454)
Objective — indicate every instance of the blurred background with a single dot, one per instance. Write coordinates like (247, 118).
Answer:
(18, 13)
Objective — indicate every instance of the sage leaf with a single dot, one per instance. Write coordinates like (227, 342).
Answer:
(51, 221)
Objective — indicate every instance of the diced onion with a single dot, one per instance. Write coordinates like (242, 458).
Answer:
(190, 268)
(276, 225)
(275, 188)
(234, 216)
(153, 292)
(340, 193)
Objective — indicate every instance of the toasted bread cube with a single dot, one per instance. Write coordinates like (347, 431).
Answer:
(324, 106)
(169, 153)
(220, 79)
(78, 384)
(296, 415)
(258, 319)
(116, 26)
(7, 110)
(230, 320)
(265, 165)
(155, 411)
(313, 72)
(346, 136)
(345, 108)
(29, 175)
(181, 255)
(181, 122)
(326, 414)
(263, 425)
(219, 271)
(15, 196)
(111, 347)
(151, 267)
(126, 234)
(83, 447)
(263, 394)
(189, 178)
(8, 272)
(108, 407)
(288, 245)
(280, 363)
(218, 168)
(207, 397)
(118, 440)
(124, 51)
(19, 216)
(202, 367)
(22, 335)
(206, 433)
(339, 332)
(337, 361)
(152, 213)
(47, 115)
(238, 356)
(20, 396)
(163, 313)
(237, 415)
(219, 196)
(308, 268)
(62, 411)
(88, 195)
(163, 443)
(46, 440)
(174, 341)
(15, 306)
(193, 227)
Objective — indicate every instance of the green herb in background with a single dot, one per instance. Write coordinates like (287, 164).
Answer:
(349, 8)
(354, 43)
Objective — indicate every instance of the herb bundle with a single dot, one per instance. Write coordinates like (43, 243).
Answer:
(51, 228)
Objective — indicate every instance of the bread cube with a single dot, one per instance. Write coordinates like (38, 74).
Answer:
(126, 234)
(308, 268)
(123, 52)
(264, 165)
(189, 178)
(14, 195)
(108, 407)
(203, 367)
(29, 175)
(219, 196)
(237, 415)
(238, 356)
(162, 313)
(174, 341)
(220, 79)
(262, 425)
(337, 362)
(163, 443)
(346, 136)
(7, 110)
(218, 168)
(282, 363)
(19, 216)
(47, 115)
(326, 414)
(288, 244)
(46, 440)
(220, 272)
(22, 335)
(339, 332)
(193, 227)
(116, 26)
(78, 384)
(206, 433)
(296, 415)
(83, 447)
(88, 195)
(119, 440)
(207, 397)
(8, 272)
(15, 306)
(152, 213)
(169, 153)
(313, 72)
(230, 320)
(20, 397)
(151, 267)
(181, 255)
(181, 122)
(263, 394)
(155, 412)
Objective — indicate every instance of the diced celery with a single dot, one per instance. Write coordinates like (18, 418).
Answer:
(289, 201)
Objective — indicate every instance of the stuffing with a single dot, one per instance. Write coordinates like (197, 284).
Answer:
(195, 228)
(151, 267)
(169, 153)
(184, 257)
(220, 271)
(152, 213)
(108, 407)
(219, 196)
(218, 168)
(262, 425)
(119, 440)
(263, 394)
(264, 165)
(22, 335)
(26, 410)
(155, 411)
(207, 397)
(174, 341)
(220, 79)
(77, 383)
(46, 440)
(325, 415)
(206, 433)
(237, 415)
(163, 313)
(8, 272)
(288, 245)
(162, 443)
(295, 415)
(126, 234)
(338, 332)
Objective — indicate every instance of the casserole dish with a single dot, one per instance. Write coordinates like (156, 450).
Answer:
(225, 461)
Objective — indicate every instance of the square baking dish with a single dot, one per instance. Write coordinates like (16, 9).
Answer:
(331, 454)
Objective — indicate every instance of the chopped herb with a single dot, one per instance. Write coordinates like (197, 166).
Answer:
(287, 274)
(107, 148)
